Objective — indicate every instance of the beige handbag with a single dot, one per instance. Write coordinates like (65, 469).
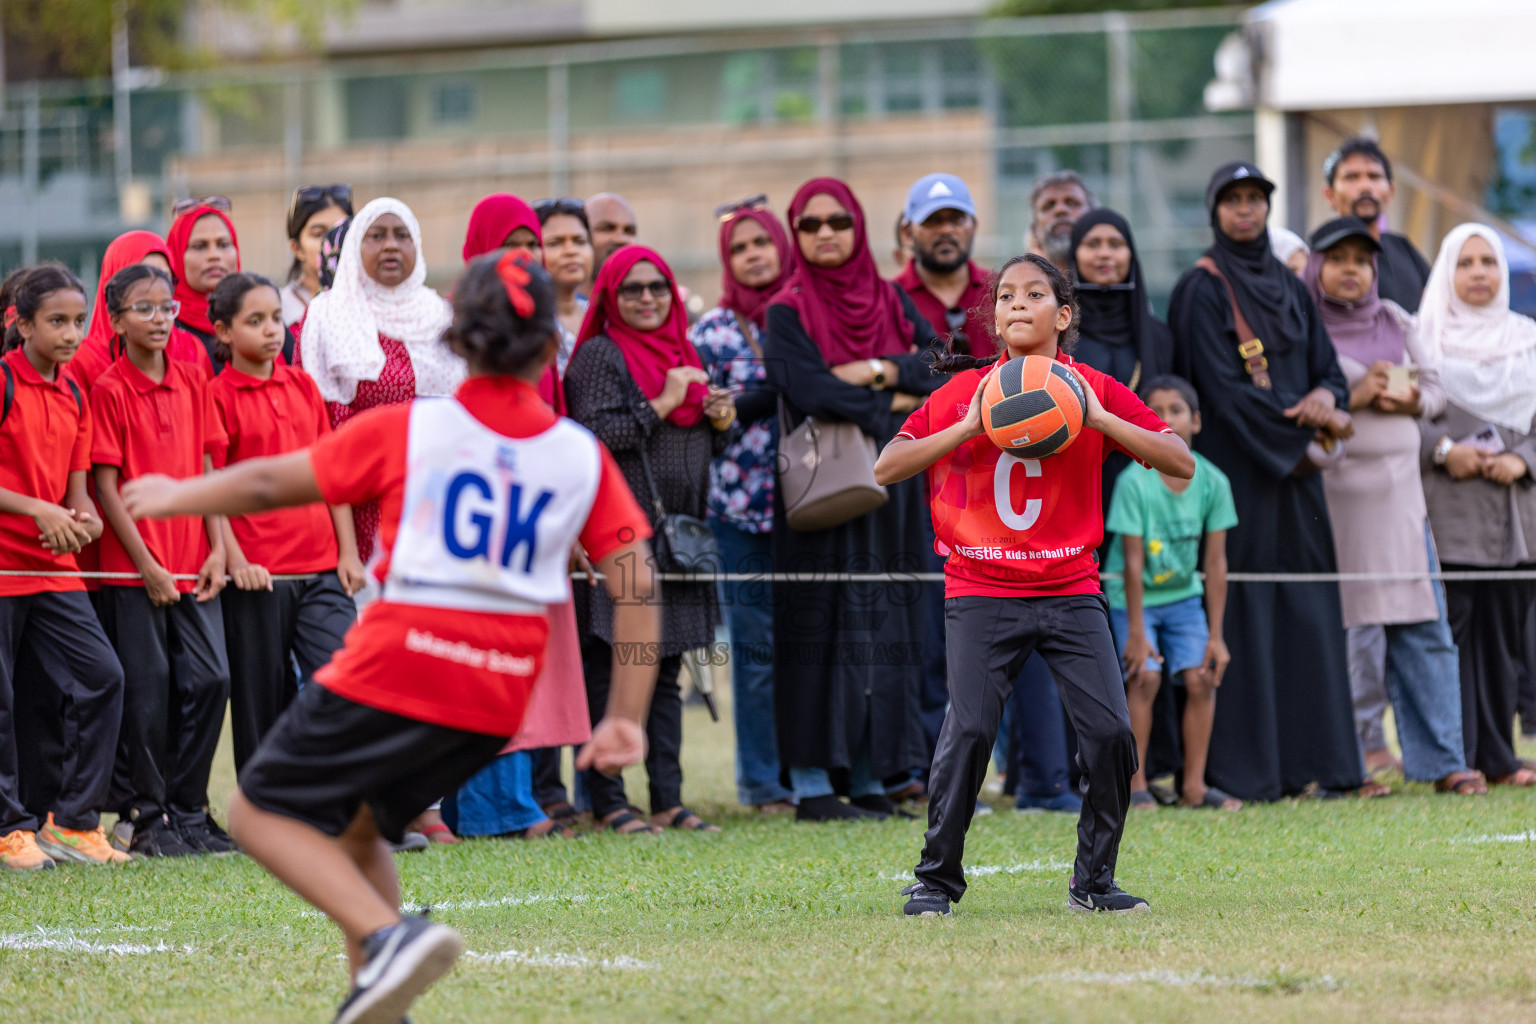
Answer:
(826, 473)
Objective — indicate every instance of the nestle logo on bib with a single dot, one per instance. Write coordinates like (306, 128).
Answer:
(461, 653)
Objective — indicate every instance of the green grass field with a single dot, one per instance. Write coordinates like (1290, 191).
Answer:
(1415, 908)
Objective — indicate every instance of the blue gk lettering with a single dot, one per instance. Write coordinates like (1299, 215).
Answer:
(521, 529)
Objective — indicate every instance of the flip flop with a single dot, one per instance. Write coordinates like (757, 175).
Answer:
(1216, 800)
(699, 824)
(1141, 798)
(440, 833)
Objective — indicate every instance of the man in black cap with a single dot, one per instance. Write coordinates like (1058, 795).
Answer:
(1358, 179)
(1250, 340)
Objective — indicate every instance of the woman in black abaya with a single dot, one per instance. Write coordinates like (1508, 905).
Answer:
(1285, 718)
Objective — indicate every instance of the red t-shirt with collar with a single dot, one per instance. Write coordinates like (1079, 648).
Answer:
(281, 414)
(93, 358)
(365, 459)
(1042, 544)
(46, 437)
(143, 427)
(977, 303)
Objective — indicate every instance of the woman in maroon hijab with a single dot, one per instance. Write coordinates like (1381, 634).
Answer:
(636, 382)
(844, 345)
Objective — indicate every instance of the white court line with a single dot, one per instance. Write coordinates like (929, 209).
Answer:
(538, 958)
(64, 941)
(983, 870)
(1175, 979)
(1528, 836)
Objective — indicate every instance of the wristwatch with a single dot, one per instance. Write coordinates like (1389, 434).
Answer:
(877, 367)
(1443, 450)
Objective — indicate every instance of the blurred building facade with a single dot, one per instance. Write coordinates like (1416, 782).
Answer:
(677, 104)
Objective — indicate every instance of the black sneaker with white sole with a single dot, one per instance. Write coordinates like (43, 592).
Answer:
(925, 902)
(403, 961)
(155, 837)
(1115, 901)
(204, 835)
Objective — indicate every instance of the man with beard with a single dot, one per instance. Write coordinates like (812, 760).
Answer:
(1057, 200)
(947, 288)
(1359, 184)
(613, 226)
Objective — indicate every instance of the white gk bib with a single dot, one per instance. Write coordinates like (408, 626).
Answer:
(488, 521)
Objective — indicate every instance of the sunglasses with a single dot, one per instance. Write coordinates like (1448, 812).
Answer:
(147, 310)
(546, 208)
(726, 211)
(813, 225)
(632, 292)
(184, 206)
(341, 194)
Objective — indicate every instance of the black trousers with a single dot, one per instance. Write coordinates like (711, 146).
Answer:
(548, 787)
(989, 639)
(176, 681)
(265, 632)
(78, 674)
(663, 731)
(1487, 620)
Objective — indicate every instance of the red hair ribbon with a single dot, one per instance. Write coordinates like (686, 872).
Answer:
(10, 316)
(512, 268)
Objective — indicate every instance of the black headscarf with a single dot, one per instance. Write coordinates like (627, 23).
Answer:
(1118, 333)
(1270, 296)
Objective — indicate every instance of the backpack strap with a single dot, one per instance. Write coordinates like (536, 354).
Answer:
(1249, 347)
(10, 392)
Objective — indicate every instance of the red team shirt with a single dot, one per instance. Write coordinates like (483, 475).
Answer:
(365, 459)
(282, 414)
(1041, 542)
(46, 437)
(142, 427)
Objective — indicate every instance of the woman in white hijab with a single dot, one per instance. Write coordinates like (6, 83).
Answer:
(375, 338)
(1479, 457)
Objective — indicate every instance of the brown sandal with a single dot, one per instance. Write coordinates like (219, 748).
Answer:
(1373, 790)
(1463, 783)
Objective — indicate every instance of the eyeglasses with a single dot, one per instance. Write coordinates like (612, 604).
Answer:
(633, 291)
(546, 208)
(147, 310)
(726, 211)
(813, 225)
(184, 206)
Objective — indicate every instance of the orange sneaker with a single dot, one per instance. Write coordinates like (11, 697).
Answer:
(79, 846)
(19, 852)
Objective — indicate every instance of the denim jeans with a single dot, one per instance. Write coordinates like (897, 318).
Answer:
(1423, 681)
(498, 799)
(749, 616)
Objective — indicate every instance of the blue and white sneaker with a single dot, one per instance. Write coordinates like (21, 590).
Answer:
(403, 961)
(1115, 901)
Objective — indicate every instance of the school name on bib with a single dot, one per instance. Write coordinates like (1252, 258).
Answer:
(1020, 555)
(461, 653)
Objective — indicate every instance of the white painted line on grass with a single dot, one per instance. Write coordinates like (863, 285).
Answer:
(568, 961)
(1176, 979)
(983, 870)
(65, 941)
(1528, 836)
(480, 904)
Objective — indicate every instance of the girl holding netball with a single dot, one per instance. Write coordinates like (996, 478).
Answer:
(482, 497)
(1020, 576)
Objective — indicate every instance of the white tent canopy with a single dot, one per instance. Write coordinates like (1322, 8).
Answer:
(1321, 54)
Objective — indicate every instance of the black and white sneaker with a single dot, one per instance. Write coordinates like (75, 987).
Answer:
(156, 838)
(925, 902)
(205, 836)
(1115, 901)
(403, 961)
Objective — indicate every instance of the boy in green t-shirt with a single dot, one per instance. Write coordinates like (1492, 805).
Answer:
(1158, 523)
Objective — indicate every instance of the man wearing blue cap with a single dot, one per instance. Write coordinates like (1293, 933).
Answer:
(946, 287)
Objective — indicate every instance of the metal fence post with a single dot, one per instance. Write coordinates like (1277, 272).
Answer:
(559, 91)
(31, 170)
(1122, 102)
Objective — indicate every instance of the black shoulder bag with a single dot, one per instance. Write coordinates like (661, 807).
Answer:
(682, 543)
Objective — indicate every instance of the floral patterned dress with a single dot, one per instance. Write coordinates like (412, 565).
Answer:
(741, 479)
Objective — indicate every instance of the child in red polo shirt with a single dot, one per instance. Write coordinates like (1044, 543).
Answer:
(267, 408)
(45, 518)
(482, 496)
(154, 415)
(1021, 575)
